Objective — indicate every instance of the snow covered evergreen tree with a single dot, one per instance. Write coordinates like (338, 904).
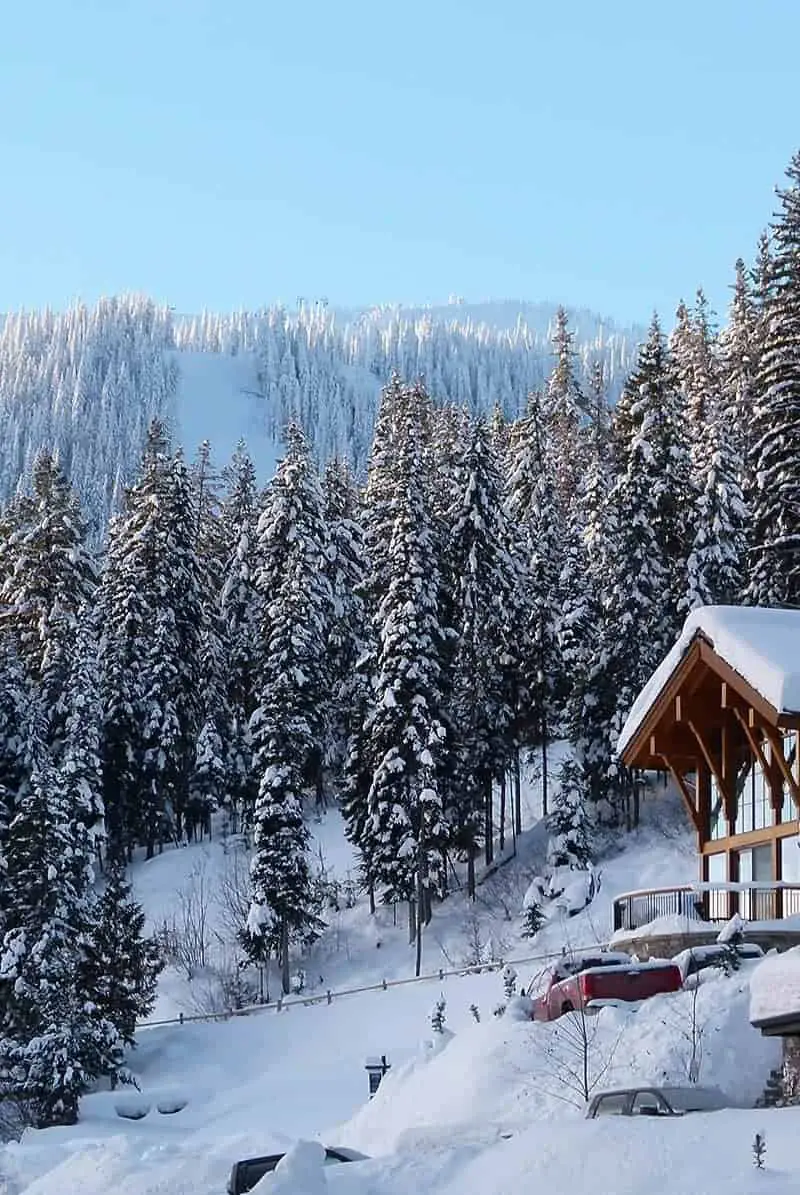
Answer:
(47, 583)
(406, 730)
(774, 466)
(568, 823)
(347, 574)
(208, 783)
(532, 506)
(289, 725)
(53, 1039)
(488, 577)
(151, 605)
(239, 604)
(717, 519)
(122, 964)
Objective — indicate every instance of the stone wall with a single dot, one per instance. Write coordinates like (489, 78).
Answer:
(668, 945)
(791, 1070)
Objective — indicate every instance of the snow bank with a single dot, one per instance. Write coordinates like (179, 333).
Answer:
(775, 987)
(671, 924)
(760, 644)
(506, 1073)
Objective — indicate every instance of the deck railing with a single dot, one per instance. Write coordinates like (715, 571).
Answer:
(710, 902)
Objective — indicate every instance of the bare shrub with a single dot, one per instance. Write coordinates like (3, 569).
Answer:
(232, 897)
(226, 987)
(186, 937)
(575, 1057)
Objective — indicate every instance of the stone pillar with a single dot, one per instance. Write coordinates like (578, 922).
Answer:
(791, 1069)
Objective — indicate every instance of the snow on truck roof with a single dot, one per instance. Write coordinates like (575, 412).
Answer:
(762, 644)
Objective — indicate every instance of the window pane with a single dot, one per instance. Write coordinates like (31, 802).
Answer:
(717, 873)
(745, 876)
(647, 1103)
(762, 863)
(790, 868)
(744, 803)
(718, 826)
(612, 1105)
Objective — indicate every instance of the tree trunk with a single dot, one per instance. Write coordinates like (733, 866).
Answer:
(372, 900)
(517, 795)
(503, 811)
(488, 808)
(412, 922)
(445, 864)
(420, 913)
(544, 763)
(285, 984)
(471, 874)
(636, 799)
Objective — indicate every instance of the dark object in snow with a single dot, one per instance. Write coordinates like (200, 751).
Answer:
(132, 1109)
(656, 1101)
(759, 1150)
(245, 1174)
(170, 1107)
(376, 1068)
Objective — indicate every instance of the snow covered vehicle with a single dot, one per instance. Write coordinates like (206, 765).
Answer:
(245, 1174)
(655, 1101)
(587, 981)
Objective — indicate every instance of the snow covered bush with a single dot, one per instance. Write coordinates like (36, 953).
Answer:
(438, 1015)
(509, 981)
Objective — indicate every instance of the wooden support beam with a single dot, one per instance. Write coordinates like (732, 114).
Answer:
(683, 789)
(767, 767)
(775, 740)
(714, 766)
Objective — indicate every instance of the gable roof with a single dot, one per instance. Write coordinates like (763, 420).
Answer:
(761, 644)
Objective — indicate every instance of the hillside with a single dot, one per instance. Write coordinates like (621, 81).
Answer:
(483, 1110)
(86, 382)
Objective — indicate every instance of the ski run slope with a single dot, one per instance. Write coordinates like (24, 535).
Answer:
(485, 1108)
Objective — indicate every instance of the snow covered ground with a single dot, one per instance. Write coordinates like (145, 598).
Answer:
(488, 1108)
(217, 400)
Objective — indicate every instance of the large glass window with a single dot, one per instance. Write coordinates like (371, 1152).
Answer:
(789, 810)
(718, 827)
(755, 866)
(717, 874)
(754, 799)
(790, 872)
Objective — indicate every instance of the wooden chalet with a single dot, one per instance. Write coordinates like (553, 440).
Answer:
(721, 715)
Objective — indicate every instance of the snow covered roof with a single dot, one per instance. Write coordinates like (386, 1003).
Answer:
(775, 988)
(761, 644)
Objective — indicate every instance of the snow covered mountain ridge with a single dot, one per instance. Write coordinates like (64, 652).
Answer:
(86, 382)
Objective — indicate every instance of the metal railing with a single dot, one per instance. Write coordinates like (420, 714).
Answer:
(710, 902)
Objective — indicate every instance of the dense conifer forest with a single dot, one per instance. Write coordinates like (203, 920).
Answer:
(498, 555)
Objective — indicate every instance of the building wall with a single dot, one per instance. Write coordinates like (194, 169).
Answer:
(759, 843)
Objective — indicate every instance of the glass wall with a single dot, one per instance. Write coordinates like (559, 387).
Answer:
(718, 827)
(754, 865)
(790, 872)
(717, 874)
(754, 800)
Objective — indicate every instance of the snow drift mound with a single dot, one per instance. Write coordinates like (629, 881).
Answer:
(505, 1073)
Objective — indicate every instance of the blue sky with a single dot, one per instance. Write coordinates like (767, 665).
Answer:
(226, 153)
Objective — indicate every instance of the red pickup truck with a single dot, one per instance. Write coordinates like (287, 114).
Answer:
(588, 981)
